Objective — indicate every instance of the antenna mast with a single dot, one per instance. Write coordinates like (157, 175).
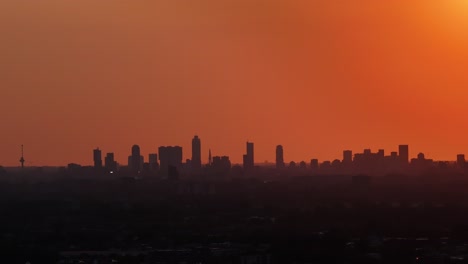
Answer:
(22, 157)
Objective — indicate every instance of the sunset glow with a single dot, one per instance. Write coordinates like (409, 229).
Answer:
(315, 76)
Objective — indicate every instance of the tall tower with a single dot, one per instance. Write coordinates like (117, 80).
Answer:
(169, 157)
(347, 156)
(22, 160)
(110, 163)
(403, 154)
(209, 158)
(135, 160)
(279, 157)
(97, 157)
(153, 161)
(249, 157)
(196, 153)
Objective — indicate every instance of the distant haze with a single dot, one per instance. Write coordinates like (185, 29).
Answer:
(315, 76)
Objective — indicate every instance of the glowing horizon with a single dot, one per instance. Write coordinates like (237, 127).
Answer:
(316, 77)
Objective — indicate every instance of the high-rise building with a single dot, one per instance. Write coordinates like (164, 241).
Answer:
(403, 154)
(249, 157)
(153, 162)
(347, 156)
(279, 157)
(135, 161)
(392, 163)
(196, 153)
(136, 150)
(421, 163)
(221, 165)
(152, 158)
(170, 157)
(109, 162)
(97, 158)
(368, 162)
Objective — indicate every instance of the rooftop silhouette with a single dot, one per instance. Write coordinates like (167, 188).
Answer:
(169, 161)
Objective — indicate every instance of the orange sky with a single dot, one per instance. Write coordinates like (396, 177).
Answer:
(315, 76)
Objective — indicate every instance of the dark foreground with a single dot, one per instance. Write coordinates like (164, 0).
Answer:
(328, 219)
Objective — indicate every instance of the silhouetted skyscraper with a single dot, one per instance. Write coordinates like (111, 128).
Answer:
(209, 158)
(403, 153)
(152, 158)
(421, 163)
(136, 150)
(347, 156)
(109, 162)
(279, 157)
(97, 157)
(170, 157)
(172, 172)
(221, 165)
(392, 163)
(153, 162)
(368, 162)
(196, 153)
(249, 157)
(136, 160)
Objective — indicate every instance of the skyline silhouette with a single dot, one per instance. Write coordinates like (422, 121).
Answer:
(195, 151)
(271, 156)
(314, 76)
(234, 131)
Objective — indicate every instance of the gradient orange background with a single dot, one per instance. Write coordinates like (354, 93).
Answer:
(315, 76)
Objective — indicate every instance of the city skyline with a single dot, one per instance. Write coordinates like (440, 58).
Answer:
(234, 131)
(182, 155)
(315, 76)
(121, 157)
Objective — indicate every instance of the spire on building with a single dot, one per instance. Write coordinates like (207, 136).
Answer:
(22, 160)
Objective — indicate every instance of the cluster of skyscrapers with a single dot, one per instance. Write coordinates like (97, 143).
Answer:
(169, 161)
(363, 161)
(372, 163)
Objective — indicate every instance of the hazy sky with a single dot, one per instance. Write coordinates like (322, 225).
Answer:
(315, 76)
